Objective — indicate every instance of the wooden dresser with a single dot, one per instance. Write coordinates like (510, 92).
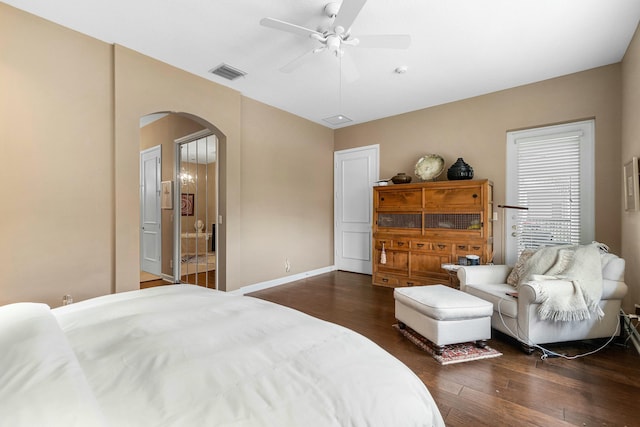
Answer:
(422, 226)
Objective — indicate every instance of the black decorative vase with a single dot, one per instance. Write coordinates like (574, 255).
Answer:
(460, 170)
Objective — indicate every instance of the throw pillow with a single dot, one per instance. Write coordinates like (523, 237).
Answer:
(518, 269)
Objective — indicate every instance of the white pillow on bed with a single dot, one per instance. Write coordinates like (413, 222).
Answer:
(41, 381)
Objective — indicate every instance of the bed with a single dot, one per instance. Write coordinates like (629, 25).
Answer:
(183, 355)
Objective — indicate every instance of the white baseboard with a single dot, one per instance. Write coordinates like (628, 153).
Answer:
(282, 280)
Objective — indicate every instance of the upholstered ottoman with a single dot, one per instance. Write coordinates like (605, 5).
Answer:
(444, 315)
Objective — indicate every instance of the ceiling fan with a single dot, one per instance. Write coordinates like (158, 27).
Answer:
(338, 34)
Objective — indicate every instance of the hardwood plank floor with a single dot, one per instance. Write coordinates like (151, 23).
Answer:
(515, 389)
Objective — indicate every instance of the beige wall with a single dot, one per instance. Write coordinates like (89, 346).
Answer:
(631, 147)
(287, 180)
(476, 128)
(143, 86)
(70, 118)
(56, 146)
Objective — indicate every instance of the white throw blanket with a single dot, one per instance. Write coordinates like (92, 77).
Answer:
(580, 265)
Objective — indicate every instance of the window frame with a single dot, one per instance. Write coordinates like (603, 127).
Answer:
(585, 132)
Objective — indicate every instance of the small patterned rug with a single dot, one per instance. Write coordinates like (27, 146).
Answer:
(453, 353)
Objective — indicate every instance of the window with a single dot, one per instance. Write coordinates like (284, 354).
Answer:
(550, 171)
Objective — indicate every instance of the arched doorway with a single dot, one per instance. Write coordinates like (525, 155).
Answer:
(191, 248)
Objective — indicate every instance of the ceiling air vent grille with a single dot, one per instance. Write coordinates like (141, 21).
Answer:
(227, 72)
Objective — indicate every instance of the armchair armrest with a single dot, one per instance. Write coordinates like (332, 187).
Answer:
(476, 274)
(532, 292)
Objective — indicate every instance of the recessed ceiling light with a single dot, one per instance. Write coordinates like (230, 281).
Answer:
(337, 120)
(401, 70)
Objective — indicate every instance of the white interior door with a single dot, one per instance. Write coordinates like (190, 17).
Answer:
(150, 225)
(355, 172)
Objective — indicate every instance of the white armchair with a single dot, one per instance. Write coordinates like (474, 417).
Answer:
(518, 317)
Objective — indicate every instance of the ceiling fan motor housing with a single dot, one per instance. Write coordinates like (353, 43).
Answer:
(333, 43)
(331, 9)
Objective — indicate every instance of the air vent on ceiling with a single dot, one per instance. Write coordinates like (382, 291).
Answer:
(227, 72)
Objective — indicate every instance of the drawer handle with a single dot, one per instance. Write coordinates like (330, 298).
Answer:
(461, 246)
(475, 196)
(400, 243)
(476, 248)
(441, 246)
(409, 283)
(420, 245)
(385, 280)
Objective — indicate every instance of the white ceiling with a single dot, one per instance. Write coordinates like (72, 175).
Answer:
(459, 48)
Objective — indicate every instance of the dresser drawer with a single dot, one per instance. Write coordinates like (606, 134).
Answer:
(420, 245)
(443, 247)
(395, 198)
(385, 280)
(470, 197)
(402, 244)
(412, 282)
(464, 249)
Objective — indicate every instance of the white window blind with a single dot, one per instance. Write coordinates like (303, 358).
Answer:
(551, 174)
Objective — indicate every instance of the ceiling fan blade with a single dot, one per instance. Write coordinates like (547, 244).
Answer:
(348, 13)
(297, 62)
(385, 41)
(288, 27)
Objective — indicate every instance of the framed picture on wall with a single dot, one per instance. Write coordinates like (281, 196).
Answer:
(187, 204)
(166, 201)
(631, 183)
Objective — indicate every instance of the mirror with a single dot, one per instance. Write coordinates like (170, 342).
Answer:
(196, 176)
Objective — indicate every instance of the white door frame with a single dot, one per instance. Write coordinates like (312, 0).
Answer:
(356, 222)
(151, 230)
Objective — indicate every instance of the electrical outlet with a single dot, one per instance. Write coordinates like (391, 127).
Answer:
(287, 265)
(67, 299)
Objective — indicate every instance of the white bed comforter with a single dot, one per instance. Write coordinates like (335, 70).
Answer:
(187, 356)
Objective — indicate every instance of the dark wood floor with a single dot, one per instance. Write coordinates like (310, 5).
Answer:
(515, 389)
